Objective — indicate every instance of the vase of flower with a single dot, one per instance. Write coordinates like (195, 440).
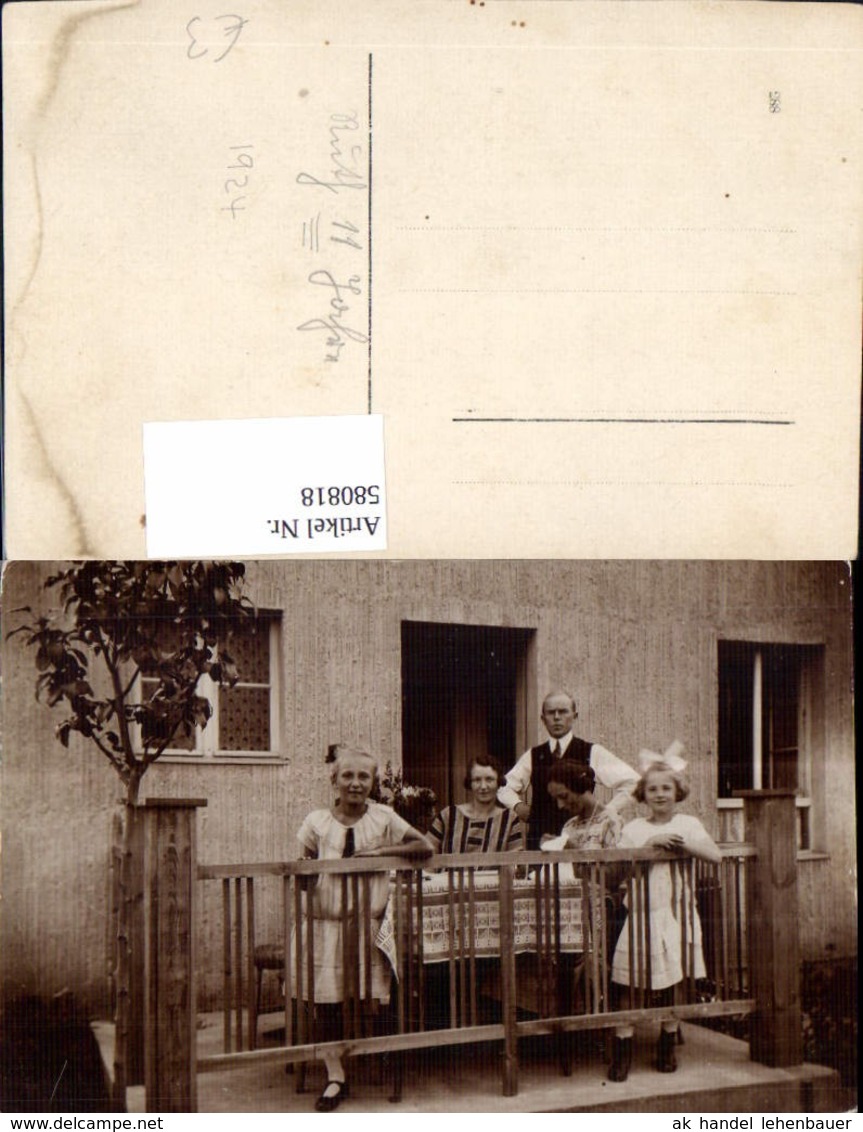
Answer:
(416, 804)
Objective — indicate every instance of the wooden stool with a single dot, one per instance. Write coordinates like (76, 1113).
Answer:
(268, 957)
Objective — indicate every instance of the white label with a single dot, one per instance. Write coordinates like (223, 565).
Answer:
(293, 485)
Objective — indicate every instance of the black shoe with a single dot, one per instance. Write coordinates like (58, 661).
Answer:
(666, 1062)
(326, 1103)
(621, 1059)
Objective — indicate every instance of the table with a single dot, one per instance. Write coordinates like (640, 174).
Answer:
(558, 939)
(454, 926)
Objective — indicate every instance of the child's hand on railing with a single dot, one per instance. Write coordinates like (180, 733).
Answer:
(671, 841)
(307, 881)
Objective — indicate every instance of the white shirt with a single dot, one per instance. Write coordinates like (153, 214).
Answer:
(610, 772)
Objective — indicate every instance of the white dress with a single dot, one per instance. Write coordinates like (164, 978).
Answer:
(323, 836)
(674, 927)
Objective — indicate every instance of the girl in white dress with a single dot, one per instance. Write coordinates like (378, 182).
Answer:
(672, 917)
(352, 827)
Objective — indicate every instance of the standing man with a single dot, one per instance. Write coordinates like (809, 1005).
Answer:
(534, 767)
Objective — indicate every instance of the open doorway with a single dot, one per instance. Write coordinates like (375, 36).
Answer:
(466, 690)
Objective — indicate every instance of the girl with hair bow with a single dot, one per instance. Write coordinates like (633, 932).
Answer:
(654, 958)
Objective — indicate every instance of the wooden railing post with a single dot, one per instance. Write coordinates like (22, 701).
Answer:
(776, 1036)
(507, 973)
(170, 864)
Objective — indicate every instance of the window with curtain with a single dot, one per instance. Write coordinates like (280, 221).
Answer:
(244, 718)
(765, 721)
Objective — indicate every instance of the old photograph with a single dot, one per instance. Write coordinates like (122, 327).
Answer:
(428, 836)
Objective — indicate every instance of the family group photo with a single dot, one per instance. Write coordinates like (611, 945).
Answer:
(428, 836)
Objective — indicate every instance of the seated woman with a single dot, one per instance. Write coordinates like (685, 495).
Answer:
(481, 824)
(590, 825)
(352, 827)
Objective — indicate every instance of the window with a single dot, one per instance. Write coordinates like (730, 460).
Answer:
(244, 718)
(766, 709)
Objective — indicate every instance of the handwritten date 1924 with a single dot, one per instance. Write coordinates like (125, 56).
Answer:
(242, 159)
(332, 324)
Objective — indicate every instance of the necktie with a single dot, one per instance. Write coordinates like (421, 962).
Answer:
(348, 850)
(557, 752)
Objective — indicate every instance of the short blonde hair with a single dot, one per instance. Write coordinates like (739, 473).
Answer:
(342, 751)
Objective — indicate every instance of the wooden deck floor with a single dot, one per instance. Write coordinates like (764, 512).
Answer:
(715, 1074)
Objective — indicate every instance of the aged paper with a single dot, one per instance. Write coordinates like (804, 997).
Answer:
(596, 265)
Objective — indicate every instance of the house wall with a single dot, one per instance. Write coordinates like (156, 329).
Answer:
(636, 642)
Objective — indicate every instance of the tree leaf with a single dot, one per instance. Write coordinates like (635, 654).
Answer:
(166, 619)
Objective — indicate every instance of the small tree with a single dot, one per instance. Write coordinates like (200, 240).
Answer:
(118, 625)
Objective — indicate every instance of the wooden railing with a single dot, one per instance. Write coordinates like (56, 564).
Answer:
(509, 944)
(502, 945)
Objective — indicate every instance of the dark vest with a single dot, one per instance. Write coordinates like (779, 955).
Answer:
(545, 817)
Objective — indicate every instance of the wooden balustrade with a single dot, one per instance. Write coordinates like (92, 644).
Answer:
(776, 1036)
(490, 947)
(480, 927)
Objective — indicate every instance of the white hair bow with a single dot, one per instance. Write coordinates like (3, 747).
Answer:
(670, 759)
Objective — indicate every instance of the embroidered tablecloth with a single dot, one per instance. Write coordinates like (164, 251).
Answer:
(447, 920)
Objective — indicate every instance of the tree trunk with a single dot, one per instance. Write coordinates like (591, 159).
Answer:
(123, 967)
(129, 1018)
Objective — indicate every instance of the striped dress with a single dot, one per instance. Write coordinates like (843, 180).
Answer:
(454, 832)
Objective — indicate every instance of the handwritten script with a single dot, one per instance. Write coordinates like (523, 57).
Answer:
(336, 233)
(206, 37)
(242, 159)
